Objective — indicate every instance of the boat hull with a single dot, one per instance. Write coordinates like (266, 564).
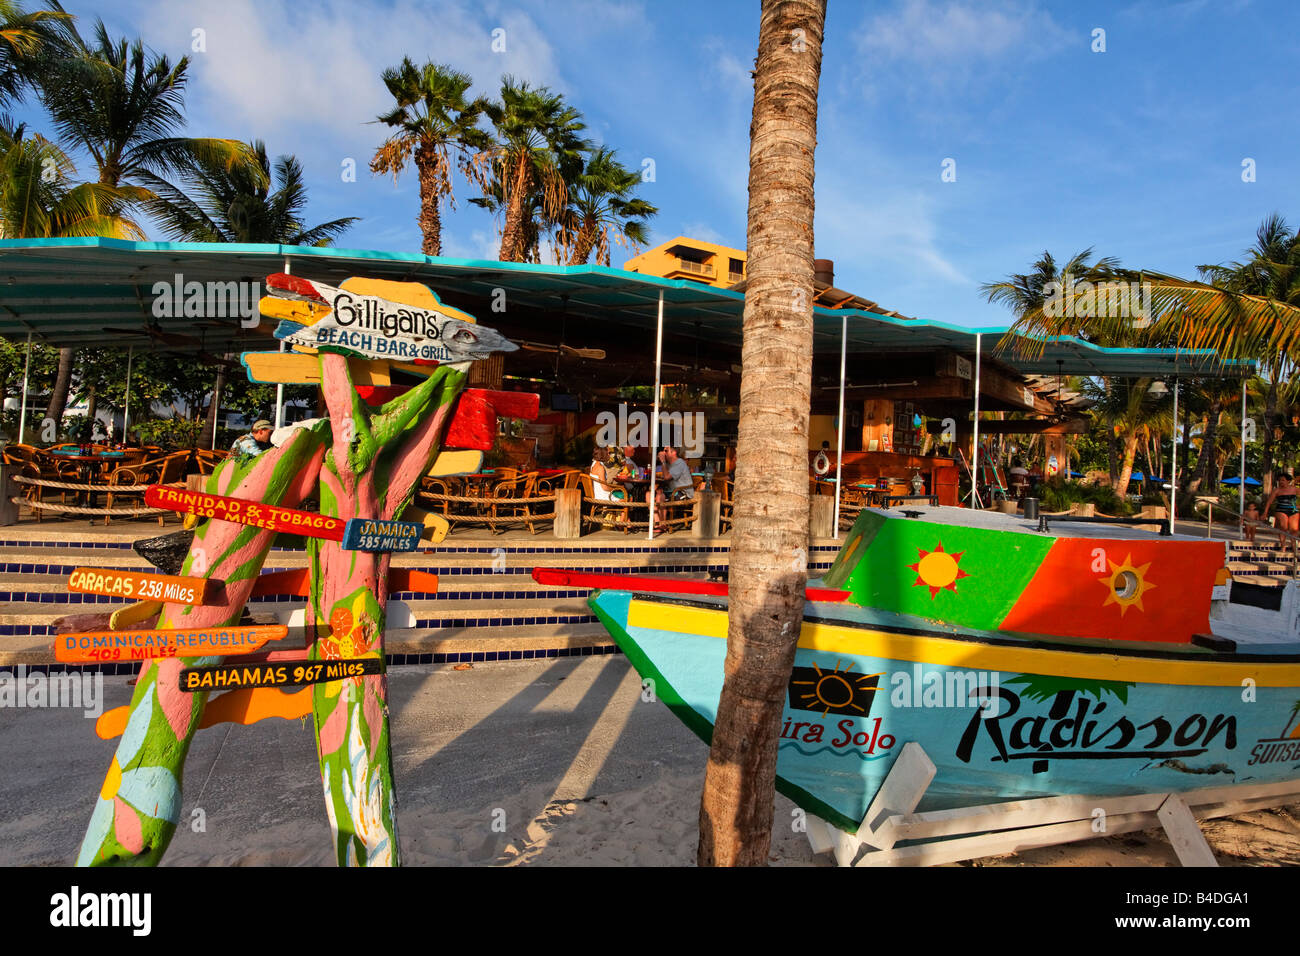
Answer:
(1002, 718)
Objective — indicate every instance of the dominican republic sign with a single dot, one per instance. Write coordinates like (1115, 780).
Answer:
(341, 320)
(147, 645)
(241, 511)
(139, 586)
(371, 534)
(278, 674)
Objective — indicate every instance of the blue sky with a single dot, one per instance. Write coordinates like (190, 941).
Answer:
(1136, 151)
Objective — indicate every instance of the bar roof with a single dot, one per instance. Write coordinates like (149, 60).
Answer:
(66, 292)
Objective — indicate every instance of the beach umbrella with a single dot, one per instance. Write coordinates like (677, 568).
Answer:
(1236, 481)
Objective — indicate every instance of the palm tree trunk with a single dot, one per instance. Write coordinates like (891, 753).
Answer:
(513, 246)
(209, 436)
(582, 246)
(92, 407)
(1209, 447)
(1270, 418)
(62, 379)
(428, 165)
(770, 532)
(1126, 468)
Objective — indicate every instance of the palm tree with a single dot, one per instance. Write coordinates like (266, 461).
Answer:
(538, 148)
(38, 199)
(28, 42)
(218, 204)
(770, 532)
(432, 119)
(1129, 413)
(1029, 295)
(122, 104)
(215, 203)
(601, 205)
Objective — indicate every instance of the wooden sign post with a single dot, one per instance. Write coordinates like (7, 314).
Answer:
(252, 513)
(139, 585)
(364, 465)
(368, 534)
(81, 648)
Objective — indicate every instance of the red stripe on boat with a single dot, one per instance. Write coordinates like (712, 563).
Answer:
(645, 582)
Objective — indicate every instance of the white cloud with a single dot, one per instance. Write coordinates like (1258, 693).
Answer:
(950, 40)
(288, 72)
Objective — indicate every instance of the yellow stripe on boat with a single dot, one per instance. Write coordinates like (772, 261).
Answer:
(946, 652)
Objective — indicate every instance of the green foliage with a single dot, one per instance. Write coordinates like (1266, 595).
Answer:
(170, 433)
(1058, 494)
(1041, 687)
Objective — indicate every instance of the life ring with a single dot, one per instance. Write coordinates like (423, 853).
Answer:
(821, 464)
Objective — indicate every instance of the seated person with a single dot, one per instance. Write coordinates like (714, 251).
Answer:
(630, 469)
(602, 489)
(675, 482)
(255, 442)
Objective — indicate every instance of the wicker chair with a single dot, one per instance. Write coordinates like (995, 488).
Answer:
(614, 513)
(724, 487)
(504, 509)
(167, 470)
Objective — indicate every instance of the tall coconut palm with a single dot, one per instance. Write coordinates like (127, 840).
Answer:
(433, 119)
(1129, 412)
(538, 148)
(215, 203)
(123, 105)
(770, 532)
(39, 198)
(28, 41)
(602, 207)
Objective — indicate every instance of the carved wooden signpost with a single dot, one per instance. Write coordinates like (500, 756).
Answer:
(252, 513)
(363, 464)
(129, 645)
(276, 674)
(139, 585)
(365, 534)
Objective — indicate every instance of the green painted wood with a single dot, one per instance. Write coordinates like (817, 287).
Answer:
(138, 806)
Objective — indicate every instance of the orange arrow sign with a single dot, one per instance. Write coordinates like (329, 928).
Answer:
(80, 648)
(139, 585)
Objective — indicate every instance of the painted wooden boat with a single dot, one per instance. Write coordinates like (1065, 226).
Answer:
(1084, 660)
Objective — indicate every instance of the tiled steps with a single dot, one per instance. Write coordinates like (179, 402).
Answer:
(487, 606)
(1263, 562)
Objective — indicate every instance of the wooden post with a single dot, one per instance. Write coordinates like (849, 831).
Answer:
(139, 804)
(821, 516)
(708, 512)
(195, 482)
(568, 513)
(8, 491)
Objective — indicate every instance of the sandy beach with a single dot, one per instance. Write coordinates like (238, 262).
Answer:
(555, 763)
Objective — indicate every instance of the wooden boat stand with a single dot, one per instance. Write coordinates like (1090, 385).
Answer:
(947, 836)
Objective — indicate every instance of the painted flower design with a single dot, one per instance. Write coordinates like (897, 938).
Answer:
(130, 798)
(348, 637)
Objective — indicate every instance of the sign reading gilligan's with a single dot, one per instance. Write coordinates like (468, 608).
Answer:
(226, 676)
(339, 320)
(371, 534)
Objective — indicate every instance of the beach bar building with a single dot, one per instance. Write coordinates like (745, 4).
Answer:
(896, 400)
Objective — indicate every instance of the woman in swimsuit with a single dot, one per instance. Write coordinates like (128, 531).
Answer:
(1282, 502)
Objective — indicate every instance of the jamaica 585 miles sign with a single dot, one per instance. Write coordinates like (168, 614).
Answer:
(227, 676)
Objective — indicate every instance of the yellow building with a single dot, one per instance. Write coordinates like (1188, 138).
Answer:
(694, 259)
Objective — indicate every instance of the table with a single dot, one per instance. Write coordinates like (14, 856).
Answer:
(88, 468)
